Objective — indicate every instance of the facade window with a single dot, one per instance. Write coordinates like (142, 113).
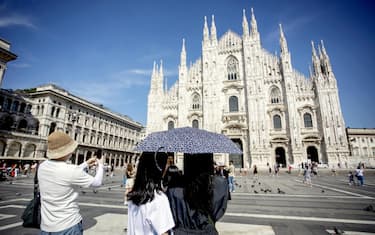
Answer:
(373, 152)
(195, 123)
(275, 95)
(233, 104)
(276, 121)
(22, 107)
(170, 125)
(57, 112)
(307, 120)
(196, 101)
(52, 111)
(232, 69)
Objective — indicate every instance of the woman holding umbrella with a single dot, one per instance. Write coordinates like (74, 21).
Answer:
(202, 200)
(148, 207)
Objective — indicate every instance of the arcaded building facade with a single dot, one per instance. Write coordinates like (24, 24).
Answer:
(28, 116)
(274, 113)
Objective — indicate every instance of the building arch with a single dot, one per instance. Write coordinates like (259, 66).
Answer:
(280, 157)
(275, 95)
(237, 158)
(14, 149)
(307, 120)
(233, 104)
(312, 154)
(196, 101)
(29, 151)
(22, 125)
(277, 121)
(195, 123)
(170, 125)
(232, 68)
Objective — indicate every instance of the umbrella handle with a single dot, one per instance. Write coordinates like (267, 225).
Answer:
(156, 162)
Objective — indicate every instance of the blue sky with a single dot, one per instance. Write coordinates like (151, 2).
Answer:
(103, 51)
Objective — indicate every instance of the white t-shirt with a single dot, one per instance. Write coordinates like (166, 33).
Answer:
(59, 208)
(154, 217)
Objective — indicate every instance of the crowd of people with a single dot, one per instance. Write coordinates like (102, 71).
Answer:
(161, 198)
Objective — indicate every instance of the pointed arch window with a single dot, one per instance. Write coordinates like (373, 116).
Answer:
(195, 123)
(196, 101)
(233, 104)
(232, 69)
(276, 121)
(170, 125)
(275, 95)
(307, 120)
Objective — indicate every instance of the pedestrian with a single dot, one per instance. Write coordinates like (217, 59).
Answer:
(124, 175)
(231, 175)
(149, 212)
(351, 178)
(130, 174)
(359, 174)
(307, 176)
(202, 200)
(255, 172)
(112, 170)
(57, 184)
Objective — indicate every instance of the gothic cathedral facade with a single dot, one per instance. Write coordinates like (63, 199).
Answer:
(275, 114)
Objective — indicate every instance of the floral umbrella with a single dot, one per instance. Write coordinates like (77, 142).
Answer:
(188, 140)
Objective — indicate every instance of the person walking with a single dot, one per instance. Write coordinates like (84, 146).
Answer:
(255, 172)
(57, 180)
(148, 207)
(359, 174)
(231, 171)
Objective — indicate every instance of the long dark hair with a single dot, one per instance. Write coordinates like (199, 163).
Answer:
(198, 170)
(148, 178)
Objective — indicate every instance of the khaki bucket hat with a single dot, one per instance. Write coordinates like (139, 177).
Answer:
(60, 145)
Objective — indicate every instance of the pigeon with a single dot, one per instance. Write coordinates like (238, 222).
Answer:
(259, 183)
(323, 191)
(83, 192)
(95, 191)
(338, 231)
(280, 191)
(369, 208)
(255, 191)
(252, 186)
(262, 190)
(109, 188)
(18, 194)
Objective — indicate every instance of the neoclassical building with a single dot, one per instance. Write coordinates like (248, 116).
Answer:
(256, 98)
(28, 116)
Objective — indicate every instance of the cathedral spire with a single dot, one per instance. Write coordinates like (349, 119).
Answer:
(183, 54)
(283, 43)
(254, 26)
(161, 73)
(153, 70)
(213, 30)
(205, 31)
(245, 25)
(325, 59)
(315, 60)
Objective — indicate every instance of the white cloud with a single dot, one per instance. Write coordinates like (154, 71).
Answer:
(16, 20)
